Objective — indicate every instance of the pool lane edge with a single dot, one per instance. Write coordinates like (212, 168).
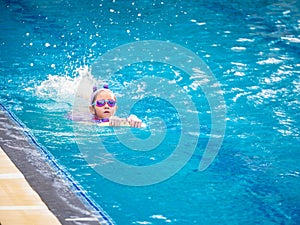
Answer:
(62, 195)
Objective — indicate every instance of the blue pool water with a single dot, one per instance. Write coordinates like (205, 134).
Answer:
(251, 47)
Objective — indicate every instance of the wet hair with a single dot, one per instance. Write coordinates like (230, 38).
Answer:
(97, 91)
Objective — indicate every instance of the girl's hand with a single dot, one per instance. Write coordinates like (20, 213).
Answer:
(134, 121)
(117, 121)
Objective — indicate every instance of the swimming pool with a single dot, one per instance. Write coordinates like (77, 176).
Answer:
(252, 48)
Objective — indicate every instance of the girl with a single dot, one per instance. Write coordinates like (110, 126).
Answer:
(103, 106)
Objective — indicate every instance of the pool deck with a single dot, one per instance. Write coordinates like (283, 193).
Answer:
(19, 203)
(31, 191)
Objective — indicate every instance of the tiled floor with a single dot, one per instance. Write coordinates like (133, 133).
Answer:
(19, 203)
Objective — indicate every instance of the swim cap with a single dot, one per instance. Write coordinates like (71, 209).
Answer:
(96, 91)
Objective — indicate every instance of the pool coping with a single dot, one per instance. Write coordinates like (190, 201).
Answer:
(19, 203)
(61, 194)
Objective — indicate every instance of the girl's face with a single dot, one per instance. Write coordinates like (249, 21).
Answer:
(105, 111)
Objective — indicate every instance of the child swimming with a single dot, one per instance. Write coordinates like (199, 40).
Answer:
(103, 106)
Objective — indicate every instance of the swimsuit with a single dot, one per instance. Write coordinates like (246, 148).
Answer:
(103, 120)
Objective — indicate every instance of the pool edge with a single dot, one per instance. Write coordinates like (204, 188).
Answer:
(25, 207)
(61, 194)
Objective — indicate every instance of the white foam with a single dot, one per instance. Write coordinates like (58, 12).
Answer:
(291, 39)
(269, 61)
(245, 40)
(160, 217)
(238, 48)
(143, 222)
(66, 88)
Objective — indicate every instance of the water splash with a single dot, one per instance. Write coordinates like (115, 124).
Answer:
(65, 88)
